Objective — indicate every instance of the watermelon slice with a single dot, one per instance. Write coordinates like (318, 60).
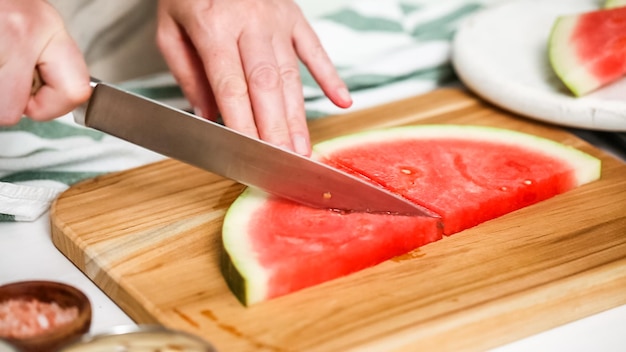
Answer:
(588, 51)
(466, 174)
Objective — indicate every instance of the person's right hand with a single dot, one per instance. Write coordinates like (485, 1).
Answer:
(33, 37)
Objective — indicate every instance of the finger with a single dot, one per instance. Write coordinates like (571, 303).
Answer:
(14, 92)
(293, 97)
(17, 59)
(265, 88)
(225, 73)
(65, 77)
(186, 67)
(315, 58)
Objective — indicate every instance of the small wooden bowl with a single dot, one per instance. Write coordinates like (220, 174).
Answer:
(48, 291)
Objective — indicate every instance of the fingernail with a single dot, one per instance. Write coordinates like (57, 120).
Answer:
(344, 94)
(198, 112)
(301, 145)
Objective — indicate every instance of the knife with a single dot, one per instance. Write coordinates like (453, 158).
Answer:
(213, 147)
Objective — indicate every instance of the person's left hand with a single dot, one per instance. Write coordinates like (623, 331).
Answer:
(240, 58)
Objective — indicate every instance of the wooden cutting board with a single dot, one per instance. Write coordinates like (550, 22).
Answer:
(150, 238)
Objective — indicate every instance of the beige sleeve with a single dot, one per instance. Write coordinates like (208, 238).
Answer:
(117, 38)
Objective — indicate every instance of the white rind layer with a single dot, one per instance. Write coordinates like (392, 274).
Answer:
(609, 4)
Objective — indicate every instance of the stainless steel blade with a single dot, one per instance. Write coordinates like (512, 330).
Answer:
(230, 154)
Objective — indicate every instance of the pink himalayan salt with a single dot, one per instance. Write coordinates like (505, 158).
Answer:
(21, 318)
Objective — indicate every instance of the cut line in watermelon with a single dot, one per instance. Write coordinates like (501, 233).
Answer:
(588, 51)
(466, 174)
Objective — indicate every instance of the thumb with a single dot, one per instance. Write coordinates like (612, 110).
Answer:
(64, 80)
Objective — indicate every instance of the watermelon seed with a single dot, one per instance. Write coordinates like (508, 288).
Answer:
(528, 182)
(409, 170)
(503, 188)
(327, 195)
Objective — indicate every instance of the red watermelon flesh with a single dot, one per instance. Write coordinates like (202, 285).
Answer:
(467, 174)
(588, 51)
(318, 245)
(467, 182)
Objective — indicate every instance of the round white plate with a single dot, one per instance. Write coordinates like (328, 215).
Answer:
(501, 53)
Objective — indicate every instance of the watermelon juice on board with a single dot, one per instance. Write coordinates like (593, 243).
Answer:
(466, 174)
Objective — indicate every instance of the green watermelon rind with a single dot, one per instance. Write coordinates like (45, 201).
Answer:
(563, 58)
(246, 278)
(249, 281)
(587, 166)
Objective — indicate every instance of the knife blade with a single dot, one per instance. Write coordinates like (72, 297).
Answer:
(218, 149)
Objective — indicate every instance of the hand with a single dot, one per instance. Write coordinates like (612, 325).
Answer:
(240, 57)
(33, 36)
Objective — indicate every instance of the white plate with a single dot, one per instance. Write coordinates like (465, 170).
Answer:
(501, 54)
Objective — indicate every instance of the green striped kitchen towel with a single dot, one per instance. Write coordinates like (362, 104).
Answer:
(387, 50)
(384, 49)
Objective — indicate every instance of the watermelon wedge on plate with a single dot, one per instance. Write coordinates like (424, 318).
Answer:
(466, 174)
(588, 51)
(501, 54)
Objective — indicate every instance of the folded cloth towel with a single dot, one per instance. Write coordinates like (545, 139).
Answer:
(384, 50)
(39, 160)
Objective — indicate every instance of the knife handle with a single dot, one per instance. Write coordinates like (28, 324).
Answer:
(80, 112)
(37, 82)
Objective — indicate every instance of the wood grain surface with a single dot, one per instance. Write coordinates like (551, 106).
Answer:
(150, 238)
